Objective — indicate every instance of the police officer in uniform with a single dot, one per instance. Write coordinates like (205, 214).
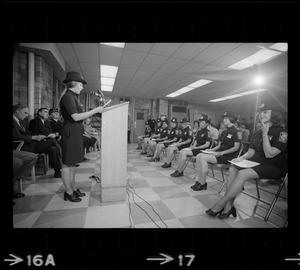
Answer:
(72, 132)
(227, 149)
(268, 147)
(185, 138)
(172, 137)
(163, 136)
(156, 134)
(201, 142)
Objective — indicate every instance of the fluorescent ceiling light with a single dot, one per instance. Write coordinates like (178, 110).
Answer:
(107, 88)
(107, 81)
(238, 95)
(280, 47)
(114, 44)
(189, 87)
(184, 90)
(255, 59)
(108, 71)
(174, 94)
(199, 83)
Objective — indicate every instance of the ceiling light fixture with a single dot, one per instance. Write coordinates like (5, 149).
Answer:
(257, 58)
(189, 87)
(114, 44)
(250, 92)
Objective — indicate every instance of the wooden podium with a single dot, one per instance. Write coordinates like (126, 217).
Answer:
(113, 160)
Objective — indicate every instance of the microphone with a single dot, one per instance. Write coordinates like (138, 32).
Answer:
(101, 97)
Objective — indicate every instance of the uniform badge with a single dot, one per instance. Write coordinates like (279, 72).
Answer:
(270, 137)
(202, 135)
(283, 137)
(229, 136)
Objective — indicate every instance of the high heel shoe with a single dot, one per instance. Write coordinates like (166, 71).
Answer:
(71, 198)
(78, 193)
(196, 183)
(212, 213)
(232, 212)
(199, 186)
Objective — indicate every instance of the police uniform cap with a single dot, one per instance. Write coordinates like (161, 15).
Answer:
(74, 76)
(158, 120)
(204, 117)
(147, 123)
(184, 120)
(229, 114)
(53, 110)
(174, 120)
(264, 106)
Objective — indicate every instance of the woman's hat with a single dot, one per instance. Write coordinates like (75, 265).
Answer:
(74, 76)
(230, 114)
(204, 117)
(265, 106)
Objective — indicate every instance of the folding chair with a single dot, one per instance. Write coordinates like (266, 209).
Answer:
(281, 184)
(223, 167)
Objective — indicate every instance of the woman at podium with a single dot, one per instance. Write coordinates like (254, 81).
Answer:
(72, 133)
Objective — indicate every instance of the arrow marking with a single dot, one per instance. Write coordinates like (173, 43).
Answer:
(15, 260)
(166, 258)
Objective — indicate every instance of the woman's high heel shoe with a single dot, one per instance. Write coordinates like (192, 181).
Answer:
(71, 198)
(78, 193)
(212, 213)
(232, 212)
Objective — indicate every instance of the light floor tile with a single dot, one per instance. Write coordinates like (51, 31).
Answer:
(135, 175)
(146, 169)
(25, 220)
(169, 192)
(109, 216)
(151, 174)
(159, 182)
(58, 203)
(138, 183)
(41, 188)
(143, 194)
(203, 221)
(184, 207)
(143, 212)
(70, 218)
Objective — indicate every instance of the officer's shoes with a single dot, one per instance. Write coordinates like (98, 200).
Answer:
(166, 165)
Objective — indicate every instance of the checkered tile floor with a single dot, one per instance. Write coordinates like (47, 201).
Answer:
(154, 200)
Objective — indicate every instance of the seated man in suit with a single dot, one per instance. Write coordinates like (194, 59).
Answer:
(55, 122)
(36, 143)
(41, 125)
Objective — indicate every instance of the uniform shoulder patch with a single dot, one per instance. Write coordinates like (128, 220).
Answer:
(283, 137)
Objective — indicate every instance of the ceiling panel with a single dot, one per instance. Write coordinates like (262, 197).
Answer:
(142, 75)
(166, 49)
(87, 52)
(110, 55)
(74, 66)
(213, 52)
(66, 49)
(157, 77)
(125, 73)
(171, 65)
(90, 69)
(132, 59)
(188, 51)
(152, 62)
(190, 67)
(139, 47)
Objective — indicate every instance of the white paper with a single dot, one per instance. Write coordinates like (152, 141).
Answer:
(244, 163)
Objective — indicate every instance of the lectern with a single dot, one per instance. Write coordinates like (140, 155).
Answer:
(113, 159)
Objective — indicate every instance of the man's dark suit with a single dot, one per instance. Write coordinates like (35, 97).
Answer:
(56, 126)
(47, 146)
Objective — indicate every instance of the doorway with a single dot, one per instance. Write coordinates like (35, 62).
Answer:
(140, 117)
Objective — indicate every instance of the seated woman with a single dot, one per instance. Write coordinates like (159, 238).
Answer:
(163, 136)
(201, 142)
(268, 147)
(145, 143)
(172, 138)
(185, 138)
(227, 149)
(146, 134)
